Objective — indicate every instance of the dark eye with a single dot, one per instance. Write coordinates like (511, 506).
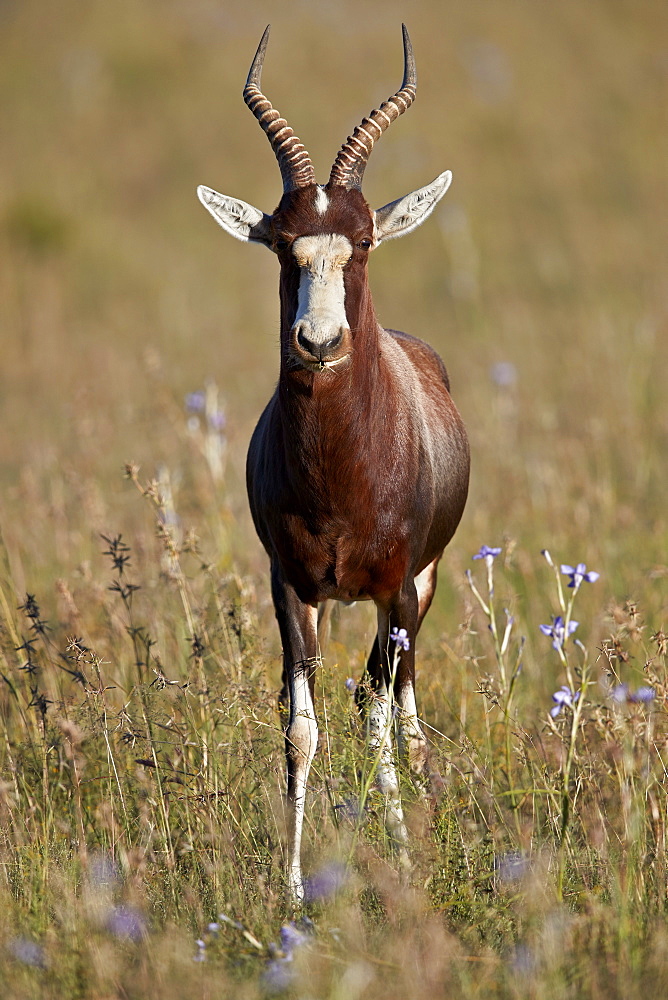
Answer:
(363, 245)
(281, 245)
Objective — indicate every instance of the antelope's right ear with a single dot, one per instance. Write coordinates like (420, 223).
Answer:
(238, 218)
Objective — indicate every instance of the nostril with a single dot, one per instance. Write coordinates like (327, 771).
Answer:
(304, 342)
(332, 344)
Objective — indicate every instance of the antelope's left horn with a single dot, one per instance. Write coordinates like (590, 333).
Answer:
(293, 158)
(352, 158)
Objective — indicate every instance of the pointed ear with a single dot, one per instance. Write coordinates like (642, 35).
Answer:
(405, 214)
(238, 218)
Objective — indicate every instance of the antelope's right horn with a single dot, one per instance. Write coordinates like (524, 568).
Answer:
(293, 158)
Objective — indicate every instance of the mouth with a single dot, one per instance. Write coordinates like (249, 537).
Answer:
(319, 355)
(319, 366)
(333, 363)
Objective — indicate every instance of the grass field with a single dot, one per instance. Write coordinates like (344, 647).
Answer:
(141, 755)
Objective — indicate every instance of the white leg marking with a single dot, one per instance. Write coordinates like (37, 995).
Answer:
(302, 741)
(412, 742)
(302, 736)
(380, 744)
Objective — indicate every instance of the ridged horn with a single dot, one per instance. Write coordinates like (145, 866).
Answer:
(352, 158)
(293, 158)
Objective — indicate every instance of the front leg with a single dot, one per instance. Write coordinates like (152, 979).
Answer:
(298, 624)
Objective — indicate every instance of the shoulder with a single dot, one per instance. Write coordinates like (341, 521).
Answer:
(423, 357)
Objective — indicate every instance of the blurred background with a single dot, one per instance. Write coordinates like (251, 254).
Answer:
(541, 278)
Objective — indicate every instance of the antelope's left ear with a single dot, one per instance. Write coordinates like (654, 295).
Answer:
(405, 214)
(237, 217)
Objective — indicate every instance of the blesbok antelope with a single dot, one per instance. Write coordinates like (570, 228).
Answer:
(358, 468)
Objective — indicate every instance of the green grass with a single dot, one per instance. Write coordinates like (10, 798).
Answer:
(141, 754)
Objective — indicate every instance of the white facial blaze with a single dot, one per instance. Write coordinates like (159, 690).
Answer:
(321, 201)
(321, 308)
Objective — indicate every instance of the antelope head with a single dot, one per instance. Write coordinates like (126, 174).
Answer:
(322, 234)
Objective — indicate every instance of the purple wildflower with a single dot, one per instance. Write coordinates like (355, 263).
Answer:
(511, 867)
(400, 637)
(278, 976)
(620, 693)
(557, 631)
(126, 922)
(563, 698)
(503, 374)
(216, 420)
(291, 938)
(201, 951)
(196, 401)
(578, 574)
(642, 696)
(351, 685)
(488, 553)
(28, 952)
(326, 882)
